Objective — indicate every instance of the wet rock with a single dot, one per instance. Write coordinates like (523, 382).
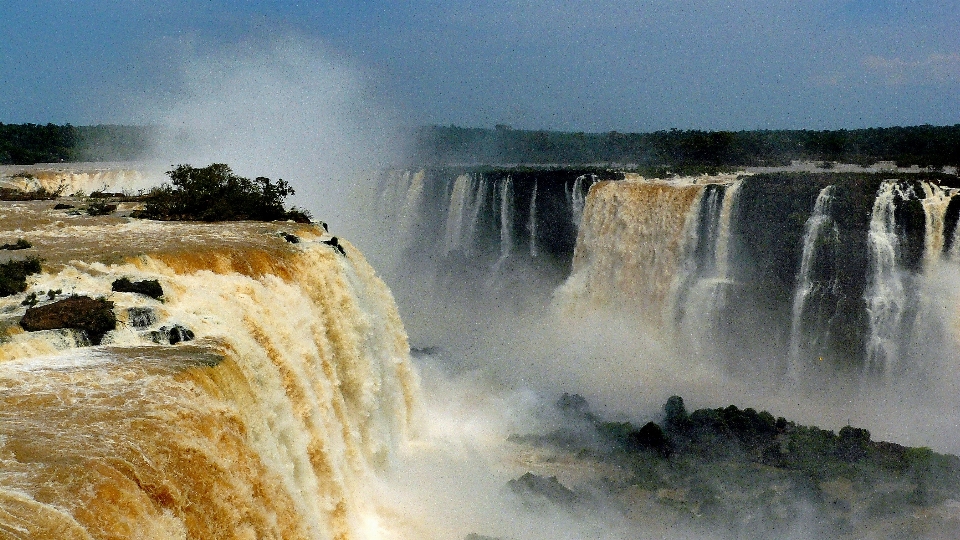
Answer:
(141, 317)
(20, 244)
(335, 244)
(93, 316)
(62, 206)
(172, 335)
(147, 287)
(540, 486)
(292, 238)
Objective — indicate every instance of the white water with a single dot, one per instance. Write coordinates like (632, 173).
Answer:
(885, 293)
(818, 224)
(935, 202)
(454, 237)
(506, 227)
(576, 199)
(309, 392)
(532, 222)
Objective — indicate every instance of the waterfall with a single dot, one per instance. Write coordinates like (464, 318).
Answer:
(702, 283)
(935, 202)
(885, 293)
(270, 424)
(818, 224)
(453, 238)
(532, 222)
(506, 218)
(477, 204)
(627, 256)
(409, 215)
(576, 199)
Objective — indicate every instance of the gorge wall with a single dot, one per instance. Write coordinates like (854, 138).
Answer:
(798, 274)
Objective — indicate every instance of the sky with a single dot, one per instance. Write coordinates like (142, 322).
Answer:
(592, 66)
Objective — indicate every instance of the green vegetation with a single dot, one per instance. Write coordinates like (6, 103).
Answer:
(718, 467)
(685, 151)
(26, 144)
(13, 275)
(20, 244)
(214, 193)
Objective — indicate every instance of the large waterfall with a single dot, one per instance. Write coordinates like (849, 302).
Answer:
(796, 274)
(271, 423)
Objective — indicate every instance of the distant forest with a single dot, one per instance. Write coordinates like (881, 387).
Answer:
(925, 146)
(26, 144)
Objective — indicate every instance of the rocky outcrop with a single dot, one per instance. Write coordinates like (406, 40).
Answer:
(93, 316)
(147, 287)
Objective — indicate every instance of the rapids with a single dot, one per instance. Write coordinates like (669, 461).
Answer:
(270, 424)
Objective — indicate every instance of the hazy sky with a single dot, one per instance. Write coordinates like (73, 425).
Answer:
(577, 65)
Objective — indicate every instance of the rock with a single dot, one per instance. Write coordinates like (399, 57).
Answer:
(93, 316)
(62, 206)
(141, 317)
(172, 335)
(147, 287)
(335, 244)
(20, 244)
(548, 488)
(293, 239)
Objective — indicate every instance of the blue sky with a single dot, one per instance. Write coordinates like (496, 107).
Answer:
(577, 65)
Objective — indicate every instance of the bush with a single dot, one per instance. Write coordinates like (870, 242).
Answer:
(215, 193)
(13, 275)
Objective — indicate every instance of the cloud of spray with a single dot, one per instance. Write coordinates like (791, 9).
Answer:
(284, 109)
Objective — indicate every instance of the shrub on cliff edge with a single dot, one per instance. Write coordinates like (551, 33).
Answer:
(215, 193)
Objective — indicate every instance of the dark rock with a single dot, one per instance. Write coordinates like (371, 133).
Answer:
(93, 316)
(548, 488)
(141, 317)
(62, 206)
(172, 335)
(325, 228)
(292, 238)
(147, 287)
(335, 244)
(13, 275)
(20, 244)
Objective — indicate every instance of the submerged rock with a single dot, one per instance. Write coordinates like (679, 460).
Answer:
(147, 287)
(549, 488)
(172, 335)
(334, 242)
(93, 316)
(141, 317)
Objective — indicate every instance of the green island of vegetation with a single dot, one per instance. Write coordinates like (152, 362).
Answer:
(747, 473)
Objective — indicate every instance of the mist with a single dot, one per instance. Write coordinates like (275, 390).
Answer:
(285, 108)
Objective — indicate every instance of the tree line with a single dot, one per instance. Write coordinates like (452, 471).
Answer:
(26, 144)
(925, 146)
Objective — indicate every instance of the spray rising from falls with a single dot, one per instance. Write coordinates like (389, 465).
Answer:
(286, 389)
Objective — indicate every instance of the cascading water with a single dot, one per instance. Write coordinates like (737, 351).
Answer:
(506, 225)
(705, 277)
(454, 237)
(270, 424)
(818, 226)
(886, 295)
(532, 222)
(935, 202)
(576, 199)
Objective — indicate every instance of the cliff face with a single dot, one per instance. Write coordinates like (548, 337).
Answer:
(254, 399)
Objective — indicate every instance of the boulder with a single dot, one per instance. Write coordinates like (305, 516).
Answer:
(147, 287)
(172, 335)
(141, 317)
(93, 316)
